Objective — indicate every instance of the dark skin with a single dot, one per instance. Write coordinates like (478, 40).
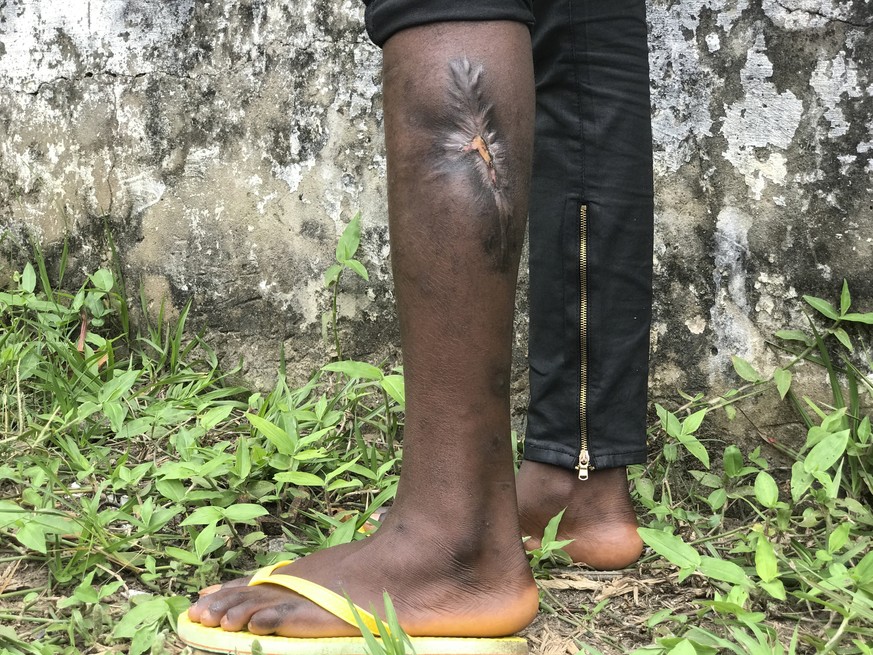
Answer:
(449, 553)
(599, 516)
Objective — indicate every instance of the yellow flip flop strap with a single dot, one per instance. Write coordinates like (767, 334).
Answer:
(321, 596)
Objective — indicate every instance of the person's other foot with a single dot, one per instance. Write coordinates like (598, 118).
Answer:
(457, 580)
(599, 516)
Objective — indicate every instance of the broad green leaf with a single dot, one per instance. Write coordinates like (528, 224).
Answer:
(175, 606)
(733, 461)
(551, 530)
(348, 243)
(116, 412)
(717, 499)
(833, 490)
(845, 298)
(252, 538)
(690, 424)
(815, 434)
(10, 513)
(800, 481)
(341, 469)
(204, 515)
(243, 458)
(707, 479)
(705, 642)
(645, 488)
(171, 489)
(143, 641)
(775, 588)
(720, 569)
(744, 369)
(54, 524)
(839, 537)
(658, 617)
(862, 573)
(783, 381)
(354, 369)
(102, 279)
(795, 335)
(85, 592)
(28, 278)
(864, 430)
(299, 478)
(203, 542)
(394, 386)
(684, 647)
(825, 481)
(765, 560)
(844, 339)
(358, 268)
(118, 386)
(343, 534)
(826, 452)
(822, 307)
(338, 485)
(766, 490)
(670, 547)
(669, 423)
(283, 442)
(32, 535)
(145, 613)
(184, 556)
(860, 318)
(244, 512)
(693, 446)
(215, 416)
(331, 275)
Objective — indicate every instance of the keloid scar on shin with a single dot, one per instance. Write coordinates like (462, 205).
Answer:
(472, 139)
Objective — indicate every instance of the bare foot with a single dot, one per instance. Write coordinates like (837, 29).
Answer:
(600, 517)
(442, 583)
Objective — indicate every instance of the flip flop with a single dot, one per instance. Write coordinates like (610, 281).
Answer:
(206, 641)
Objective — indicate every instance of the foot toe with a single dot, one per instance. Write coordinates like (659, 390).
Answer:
(237, 617)
(272, 620)
(210, 610)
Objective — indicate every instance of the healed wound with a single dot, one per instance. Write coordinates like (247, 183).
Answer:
(471, 131)
(479, 145)
(470, 138)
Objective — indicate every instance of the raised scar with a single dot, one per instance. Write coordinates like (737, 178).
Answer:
(479, 145)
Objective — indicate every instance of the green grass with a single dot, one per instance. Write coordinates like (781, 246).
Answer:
(133, 472)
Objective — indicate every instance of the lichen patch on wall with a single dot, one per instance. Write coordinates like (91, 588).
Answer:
(764, 119)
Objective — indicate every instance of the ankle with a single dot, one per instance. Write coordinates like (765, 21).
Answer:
(598, 513)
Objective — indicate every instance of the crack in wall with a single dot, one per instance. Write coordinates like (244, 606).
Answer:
(819, 14)
(89, 75)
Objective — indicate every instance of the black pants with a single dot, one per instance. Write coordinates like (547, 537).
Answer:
(591, 219)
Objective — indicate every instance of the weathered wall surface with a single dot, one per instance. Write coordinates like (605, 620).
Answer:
(224, 145)
(763, 121)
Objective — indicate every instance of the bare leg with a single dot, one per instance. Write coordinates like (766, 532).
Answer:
(459, 129)
(599, 515)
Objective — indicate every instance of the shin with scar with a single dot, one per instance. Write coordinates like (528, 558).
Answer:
(472, 143)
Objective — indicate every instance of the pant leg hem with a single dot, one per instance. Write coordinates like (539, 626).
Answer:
(568, 460)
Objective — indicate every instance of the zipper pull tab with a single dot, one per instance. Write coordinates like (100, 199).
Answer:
(584, 461)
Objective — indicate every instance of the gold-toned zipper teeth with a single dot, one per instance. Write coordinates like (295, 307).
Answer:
(584, 456)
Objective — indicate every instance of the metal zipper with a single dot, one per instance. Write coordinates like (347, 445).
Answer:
(584, 456)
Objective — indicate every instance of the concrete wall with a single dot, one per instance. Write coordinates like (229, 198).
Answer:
(223, 146)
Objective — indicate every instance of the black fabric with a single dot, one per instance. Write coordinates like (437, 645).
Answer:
(593, 148)
(386, 17)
